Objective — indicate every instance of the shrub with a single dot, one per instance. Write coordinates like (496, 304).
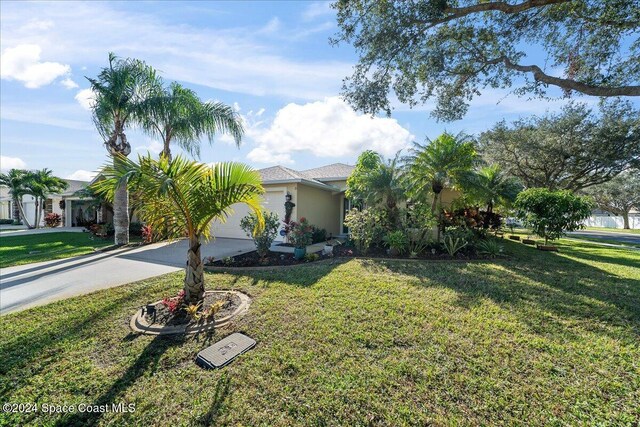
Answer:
(473, 219)
(147, 233)
(6, 221)
(264, 238)
(453, 244)
(490, 247)
(550, 214)
(52, 220)
(311, 257)
(397, 241)
(174, 304)
(318, 234)
(366, 227)
(301, 233)
(135, 229)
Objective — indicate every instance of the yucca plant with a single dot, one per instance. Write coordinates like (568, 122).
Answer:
(490, 247)
(181, 199)
(453, 244)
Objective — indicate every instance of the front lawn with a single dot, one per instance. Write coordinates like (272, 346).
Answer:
(18, 250)
(538, 339)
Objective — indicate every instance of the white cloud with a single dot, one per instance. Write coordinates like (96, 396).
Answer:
(244, 59)
(153, 147)
(272, 26)
(23, 63)
(7, 163)
(82, 175)
(328, 128)
(69, 84)
(86, 98)
(317, 9)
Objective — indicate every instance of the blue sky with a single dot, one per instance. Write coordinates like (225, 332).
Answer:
(271, 60)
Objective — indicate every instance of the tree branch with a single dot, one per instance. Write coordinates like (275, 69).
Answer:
(569, 84)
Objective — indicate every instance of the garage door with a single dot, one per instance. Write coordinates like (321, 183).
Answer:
(273, 202)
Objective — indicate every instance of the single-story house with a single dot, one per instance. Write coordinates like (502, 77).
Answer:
(318, 195)
(75, 211)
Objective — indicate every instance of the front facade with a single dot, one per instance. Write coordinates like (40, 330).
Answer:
(318, 195)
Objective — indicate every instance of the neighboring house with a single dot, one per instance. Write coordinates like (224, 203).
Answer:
(74, 210)
(317, 193)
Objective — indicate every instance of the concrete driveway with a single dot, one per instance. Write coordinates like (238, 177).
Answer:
(36, 284)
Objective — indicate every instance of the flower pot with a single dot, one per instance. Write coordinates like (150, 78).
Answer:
(328, 249)
(299, 253)
(528, 242)
(547, 248)
(515, 238)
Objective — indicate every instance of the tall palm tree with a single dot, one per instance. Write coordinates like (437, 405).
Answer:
(182, 198)
(438, 164)
(16, 181)
(41, 183)
(492, 186)
(121, 90)
(383, 185)
(176, 115)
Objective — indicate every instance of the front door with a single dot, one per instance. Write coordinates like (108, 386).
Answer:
(346, 207)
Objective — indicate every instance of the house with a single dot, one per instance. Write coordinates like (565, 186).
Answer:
(318, 195)
(75, 210)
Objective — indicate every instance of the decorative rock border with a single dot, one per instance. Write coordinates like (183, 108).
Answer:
(139, 323)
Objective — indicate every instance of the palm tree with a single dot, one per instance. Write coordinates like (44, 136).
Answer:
(182, 198)
(41, 183)
(121, 90)
(176, 114)
(438, 164)
(383, 185)
(492, 186)
(16, 181)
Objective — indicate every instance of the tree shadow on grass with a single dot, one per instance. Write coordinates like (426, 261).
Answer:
(147, 361)
(543, 290)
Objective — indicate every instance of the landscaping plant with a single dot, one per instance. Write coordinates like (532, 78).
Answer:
(264, 237)
(550, 214)
(397, 242)
(490, 247)
(183, 198)
(52, 220)
(453, 245)
(301, 233)
(365, 227)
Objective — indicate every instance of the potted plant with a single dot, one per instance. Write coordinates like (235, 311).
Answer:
(397, 242)
(300, 237)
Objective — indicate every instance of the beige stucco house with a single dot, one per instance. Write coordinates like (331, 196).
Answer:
(318, 195)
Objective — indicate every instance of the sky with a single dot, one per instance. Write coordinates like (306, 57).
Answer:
(271, 61)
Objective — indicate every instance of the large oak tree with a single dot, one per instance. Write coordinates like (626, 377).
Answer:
(451, 50)
(570, 150)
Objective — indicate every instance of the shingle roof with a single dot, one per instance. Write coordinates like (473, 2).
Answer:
(283, 174)
(74, 185)
(333, 171)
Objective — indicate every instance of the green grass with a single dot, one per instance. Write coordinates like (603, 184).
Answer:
(614, 230)
(15, 250)
(600, 240)
(538, 339)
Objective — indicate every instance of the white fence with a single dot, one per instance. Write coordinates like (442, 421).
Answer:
(612, 221)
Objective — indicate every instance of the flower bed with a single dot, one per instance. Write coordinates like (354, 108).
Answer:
(252, 259)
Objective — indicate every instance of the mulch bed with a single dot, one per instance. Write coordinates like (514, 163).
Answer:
(251, 259)
(165, 317)
(378, 252)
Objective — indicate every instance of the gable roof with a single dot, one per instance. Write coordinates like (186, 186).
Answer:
(281, 174)
(74, 185)
(332, 172)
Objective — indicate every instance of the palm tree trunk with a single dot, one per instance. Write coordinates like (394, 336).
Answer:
(194, 277)
(121, 214)
(16, 209)
(35, 213)
(24, 217)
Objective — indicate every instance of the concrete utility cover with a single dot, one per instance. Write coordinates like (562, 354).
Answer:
(224, 351)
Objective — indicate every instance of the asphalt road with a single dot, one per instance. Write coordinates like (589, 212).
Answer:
(36, 284)
(630, 238)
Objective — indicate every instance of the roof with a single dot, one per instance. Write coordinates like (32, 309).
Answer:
(332, 172)
(74, 185)
(281, 174)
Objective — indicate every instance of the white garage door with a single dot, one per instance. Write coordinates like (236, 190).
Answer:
(273, 202)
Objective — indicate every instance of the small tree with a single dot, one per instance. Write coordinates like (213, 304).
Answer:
(264, 238)
(550, 214)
